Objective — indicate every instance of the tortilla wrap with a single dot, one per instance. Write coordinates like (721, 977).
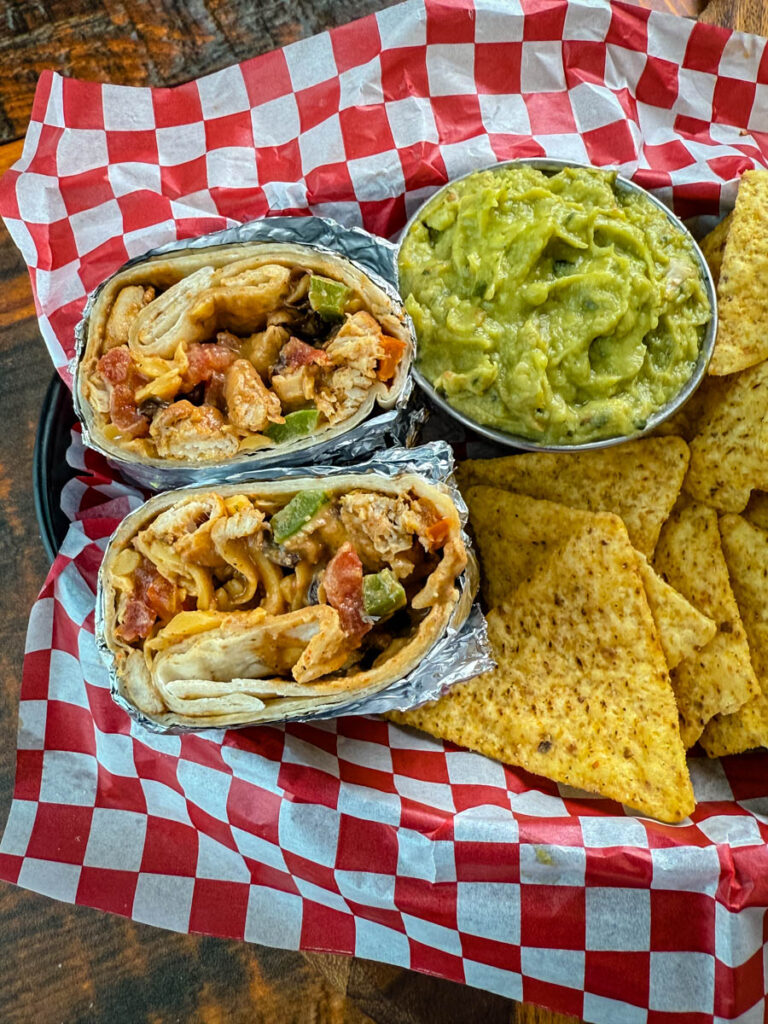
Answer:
(232, 646)
(160, 309)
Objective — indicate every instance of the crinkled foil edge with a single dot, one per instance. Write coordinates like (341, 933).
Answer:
(397, 425)
(461, 652)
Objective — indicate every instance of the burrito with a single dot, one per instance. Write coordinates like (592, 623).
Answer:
(194, 358)
(261, 602)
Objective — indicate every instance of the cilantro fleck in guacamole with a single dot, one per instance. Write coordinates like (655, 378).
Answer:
(554, 307)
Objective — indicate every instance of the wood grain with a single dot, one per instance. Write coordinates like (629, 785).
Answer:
(742, 15)
(146, 42)
(61, 963)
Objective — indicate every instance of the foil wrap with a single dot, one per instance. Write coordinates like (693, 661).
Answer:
(461, 652)
(383, 427)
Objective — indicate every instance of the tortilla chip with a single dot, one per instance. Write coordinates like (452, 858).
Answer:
(638, 481)
(581, 693)
(742, 297)
(516, 533)
(713, 246)
(686, 422)
(746, 551)
(729, 457)
(683, 629)
(756, 511)
(719, 678)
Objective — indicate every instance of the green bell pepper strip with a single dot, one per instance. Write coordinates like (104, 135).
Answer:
(382, 594)
(327, 297)
(297, 424)
(301, 509)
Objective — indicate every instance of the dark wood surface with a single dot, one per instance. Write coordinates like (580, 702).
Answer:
(64, 964)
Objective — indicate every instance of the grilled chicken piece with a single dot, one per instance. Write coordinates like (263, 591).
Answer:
(295, 387)
(263, 349)
(250, 404)
(354, 354)
(186, 431)
(375, 526)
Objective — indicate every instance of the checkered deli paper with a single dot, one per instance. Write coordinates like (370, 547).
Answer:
(354, 835)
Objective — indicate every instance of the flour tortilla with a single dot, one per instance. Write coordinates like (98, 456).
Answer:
(265, 699)
(169, 269)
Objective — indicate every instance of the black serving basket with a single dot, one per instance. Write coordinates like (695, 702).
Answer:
(50, 467)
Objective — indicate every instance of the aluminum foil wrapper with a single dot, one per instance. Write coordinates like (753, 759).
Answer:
(463, 651)
(398, 425)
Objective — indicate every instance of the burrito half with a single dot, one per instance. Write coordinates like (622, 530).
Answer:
(202, 356)
(260, 602)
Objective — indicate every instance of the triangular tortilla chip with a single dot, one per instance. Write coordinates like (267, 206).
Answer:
(719, 678)
(581, 693)
(638, 481)
(713, 245)
(683, 629)
(729, 456)
(742, 298)
(746, 551)
(515, 533)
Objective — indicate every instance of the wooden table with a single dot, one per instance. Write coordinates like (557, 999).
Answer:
(72, 964)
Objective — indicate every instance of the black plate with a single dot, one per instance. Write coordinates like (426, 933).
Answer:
(50, 468)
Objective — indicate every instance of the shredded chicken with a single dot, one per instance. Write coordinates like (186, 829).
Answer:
(250, 404)
(375, 525)
(126, 307)
(354, 354)
(187, 529)
(182, 520)
(185, 431)
(244, 523)
(295, 386)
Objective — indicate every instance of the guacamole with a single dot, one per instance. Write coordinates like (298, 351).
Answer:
(554, 307)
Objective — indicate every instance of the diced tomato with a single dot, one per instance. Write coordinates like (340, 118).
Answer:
(163, 597)
(115, 366)
(155, 591)
(153, 597)
(343, 583)
(438, 533)
(393, 349)
(204, 361)
(297, 353)
(124, 413)
(137, 622)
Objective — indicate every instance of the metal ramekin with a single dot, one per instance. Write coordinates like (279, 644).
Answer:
(655, 420)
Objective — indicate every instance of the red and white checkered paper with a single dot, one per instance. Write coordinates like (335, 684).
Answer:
(354, 835)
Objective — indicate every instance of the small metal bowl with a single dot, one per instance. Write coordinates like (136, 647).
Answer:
(674, 405)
